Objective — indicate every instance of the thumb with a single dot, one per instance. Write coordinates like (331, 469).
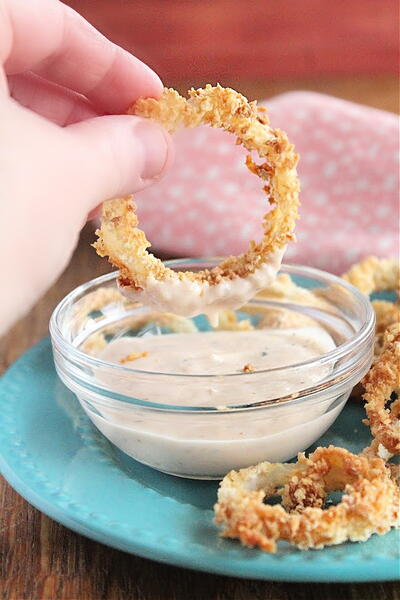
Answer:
(118, 155)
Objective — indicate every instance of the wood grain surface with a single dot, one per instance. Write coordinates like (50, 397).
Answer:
(42, 560)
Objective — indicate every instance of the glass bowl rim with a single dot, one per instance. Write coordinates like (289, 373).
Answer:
(333, 355)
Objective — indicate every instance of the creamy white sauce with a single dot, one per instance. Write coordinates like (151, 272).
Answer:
(207, 445)
(220, 352)
(191, 298)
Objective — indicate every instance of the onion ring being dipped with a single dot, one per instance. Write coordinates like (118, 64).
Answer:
(229, 285)
(370, 503)
(380, 382)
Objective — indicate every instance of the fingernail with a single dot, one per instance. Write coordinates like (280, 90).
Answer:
(155, 148)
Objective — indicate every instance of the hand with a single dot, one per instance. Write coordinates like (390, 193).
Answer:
(64, 145)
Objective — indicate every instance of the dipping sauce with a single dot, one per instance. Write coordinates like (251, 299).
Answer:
(222, 353)
(207, 369)
(198, 403)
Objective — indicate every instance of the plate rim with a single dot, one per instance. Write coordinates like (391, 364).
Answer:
(384, 569)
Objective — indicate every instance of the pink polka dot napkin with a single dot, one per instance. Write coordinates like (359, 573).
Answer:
(210, 204)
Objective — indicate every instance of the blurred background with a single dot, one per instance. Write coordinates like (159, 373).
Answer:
(347, 48)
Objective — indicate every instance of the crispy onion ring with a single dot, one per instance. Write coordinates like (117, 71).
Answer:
(376, 449)
(380, 382)
(126, 245)
(370, 503)
(387, 314)
(374, 275)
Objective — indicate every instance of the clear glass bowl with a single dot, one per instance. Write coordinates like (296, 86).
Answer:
(150, 415)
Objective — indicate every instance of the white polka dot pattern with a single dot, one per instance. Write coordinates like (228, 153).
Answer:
(210, 204)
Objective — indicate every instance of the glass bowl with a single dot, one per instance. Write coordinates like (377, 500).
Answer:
(185, 424)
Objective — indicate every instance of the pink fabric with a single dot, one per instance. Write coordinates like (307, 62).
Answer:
(209, 204)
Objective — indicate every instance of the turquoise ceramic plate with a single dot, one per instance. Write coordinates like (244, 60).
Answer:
(55, 458)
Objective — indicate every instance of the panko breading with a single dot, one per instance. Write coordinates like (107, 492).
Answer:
(126, 245)
(374, 275)
(132, 357)
(377, 275)
(380, 382)
(370, 503)
(376, 449)
(387, 314)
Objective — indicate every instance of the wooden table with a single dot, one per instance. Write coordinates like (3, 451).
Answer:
(42, 560)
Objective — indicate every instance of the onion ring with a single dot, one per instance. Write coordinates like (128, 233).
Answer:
(125, 245)
(387, 314)
(376, 449)
(370, 503)
(380, 382)
(377, 275)
(374, 275)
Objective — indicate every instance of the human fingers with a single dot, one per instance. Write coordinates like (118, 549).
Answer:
(116, 155)
(54, 102)
(64, 48)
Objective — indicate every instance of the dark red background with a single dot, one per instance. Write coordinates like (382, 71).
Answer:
(218, 40)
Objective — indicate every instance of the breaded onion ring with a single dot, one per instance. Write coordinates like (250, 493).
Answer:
(374, 275)
(376, 449)
(370, 503)
(126, 245)
(387, 314)
(380, 382)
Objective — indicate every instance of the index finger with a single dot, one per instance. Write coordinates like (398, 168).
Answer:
(52, 40)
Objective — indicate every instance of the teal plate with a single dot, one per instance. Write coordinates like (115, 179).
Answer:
(53, 456)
